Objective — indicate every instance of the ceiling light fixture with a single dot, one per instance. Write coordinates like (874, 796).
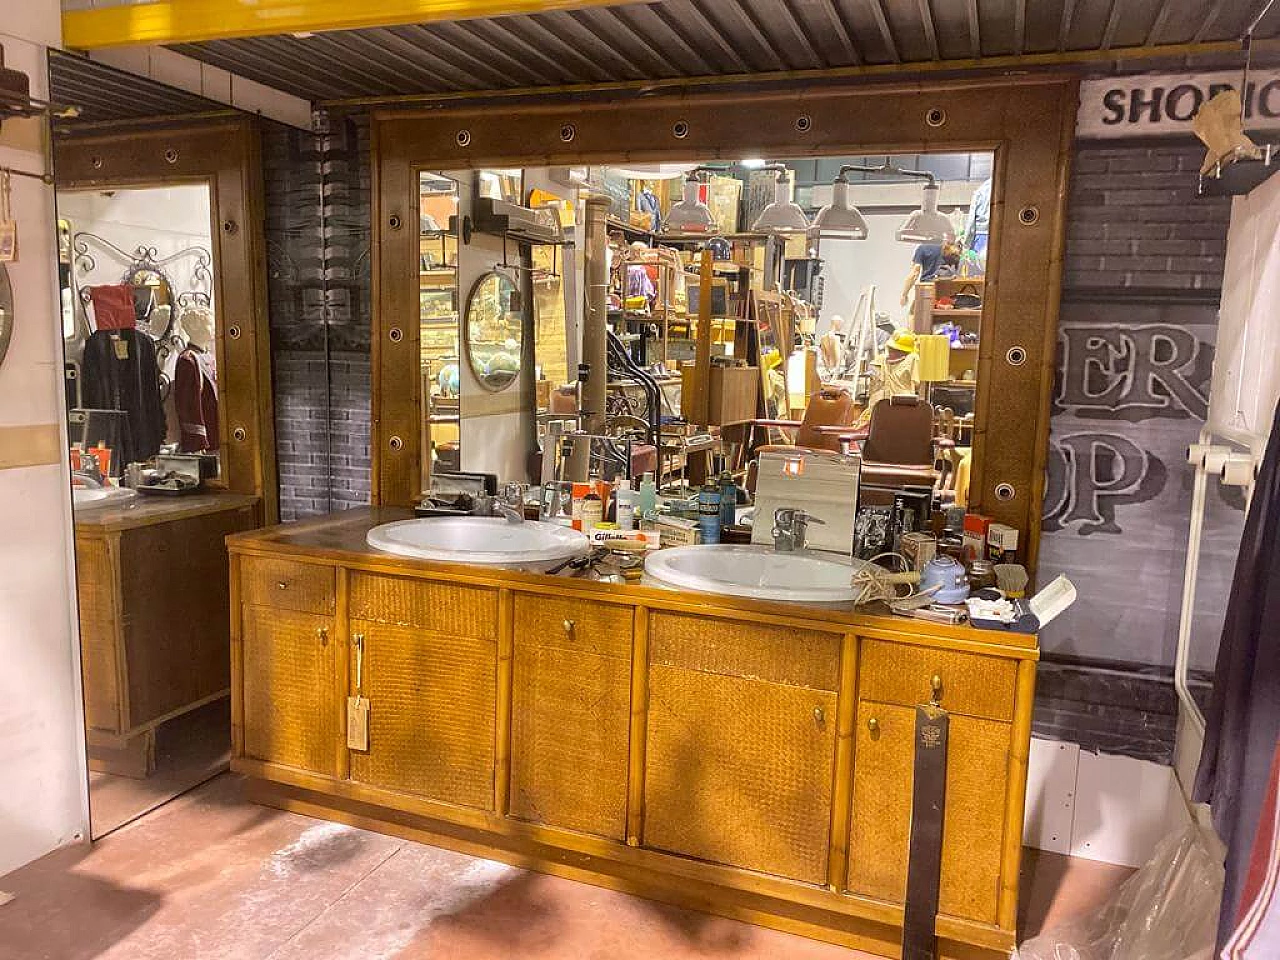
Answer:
(840, 220)
(690, 214)
(925, 225)
(783, 215)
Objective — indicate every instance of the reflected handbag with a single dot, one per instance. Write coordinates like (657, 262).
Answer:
(967, 298)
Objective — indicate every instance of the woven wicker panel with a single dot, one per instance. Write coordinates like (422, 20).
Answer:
(973, 829)
(973, 824)
(806, 658)
(442, 608)
(291, 703)
(287, 584)
(98, 651)
(570, 715)
(882, 777)
(432, 714)
(602, 628)
(972, 684)
(739, 772)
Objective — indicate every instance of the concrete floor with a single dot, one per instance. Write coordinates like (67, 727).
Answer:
(212, 876)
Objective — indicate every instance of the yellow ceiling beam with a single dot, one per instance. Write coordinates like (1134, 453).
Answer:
(191, 21)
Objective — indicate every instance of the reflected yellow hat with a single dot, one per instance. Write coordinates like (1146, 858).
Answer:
(903, 340)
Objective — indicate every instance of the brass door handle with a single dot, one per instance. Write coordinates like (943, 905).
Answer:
(819, 716)
(873, 725)
(569, 626)
(323, 634)
(935, 682)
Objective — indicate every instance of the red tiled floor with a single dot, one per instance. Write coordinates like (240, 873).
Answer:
(212, 876)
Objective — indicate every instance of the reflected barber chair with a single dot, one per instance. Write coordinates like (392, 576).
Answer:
(827, 420)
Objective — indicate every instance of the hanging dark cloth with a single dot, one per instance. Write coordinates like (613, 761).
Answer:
(195, 398)
(119, 373)
(1243, 720)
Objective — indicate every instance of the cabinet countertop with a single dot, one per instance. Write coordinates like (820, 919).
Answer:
(339, 538)
(146, 511)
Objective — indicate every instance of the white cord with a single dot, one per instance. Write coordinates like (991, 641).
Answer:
(877, 583)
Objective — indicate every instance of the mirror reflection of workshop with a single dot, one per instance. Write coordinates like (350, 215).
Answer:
(753, 309)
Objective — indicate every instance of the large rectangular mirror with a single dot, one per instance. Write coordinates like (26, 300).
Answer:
(836, 284)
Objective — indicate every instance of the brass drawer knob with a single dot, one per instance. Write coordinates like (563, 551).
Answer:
(873, 725)
(569, 626)
(935, 682)
(282, 584)
(819, 716)
(323, 634)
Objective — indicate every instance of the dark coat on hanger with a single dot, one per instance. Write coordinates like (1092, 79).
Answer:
(1242, 724)
(195, 398)
(125, 378)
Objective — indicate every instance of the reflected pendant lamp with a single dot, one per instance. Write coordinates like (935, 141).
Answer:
(689, 215)
(783, 215)
(839, 220)
(927, 225)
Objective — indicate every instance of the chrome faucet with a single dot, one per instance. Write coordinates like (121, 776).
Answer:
(511, 503)
(790, 524)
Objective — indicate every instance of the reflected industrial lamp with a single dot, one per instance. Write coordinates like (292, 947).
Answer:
(839, 219)
(925, 225)
(783, 215)
(690, 214)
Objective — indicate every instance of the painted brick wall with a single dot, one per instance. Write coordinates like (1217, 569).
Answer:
(317, 227)
(1133, 222)
(1141, 286)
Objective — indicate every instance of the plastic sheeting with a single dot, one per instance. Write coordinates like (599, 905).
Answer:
(1168, 910)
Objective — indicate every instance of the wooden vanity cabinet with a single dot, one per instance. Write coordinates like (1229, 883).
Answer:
(749, 759)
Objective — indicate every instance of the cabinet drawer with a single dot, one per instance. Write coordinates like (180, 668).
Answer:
(287, 585)
(803, 658)
(972, 683)
(600, 628)
(443, 608)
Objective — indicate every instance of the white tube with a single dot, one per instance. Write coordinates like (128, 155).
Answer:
(1237, 471)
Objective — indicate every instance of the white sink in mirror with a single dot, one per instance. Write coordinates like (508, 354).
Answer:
(531, 545)
(87, 498)
(756, 572)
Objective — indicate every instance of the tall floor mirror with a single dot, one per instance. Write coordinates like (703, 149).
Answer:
(168, 411)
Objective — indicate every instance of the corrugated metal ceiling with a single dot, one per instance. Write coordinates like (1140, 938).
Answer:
(671, 39)
(103, 93)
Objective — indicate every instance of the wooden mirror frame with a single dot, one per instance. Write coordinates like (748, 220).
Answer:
(224, 152)
(1027, 122)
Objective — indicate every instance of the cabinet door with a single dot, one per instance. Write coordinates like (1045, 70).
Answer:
(570, 714)
(739, 771)
(291, 690)
(973, 824)
(432, 713)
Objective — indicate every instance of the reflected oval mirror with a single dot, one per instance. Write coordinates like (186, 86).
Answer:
(494, 331)
(6, 312)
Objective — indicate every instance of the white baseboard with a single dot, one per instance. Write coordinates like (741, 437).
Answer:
(1098, 806)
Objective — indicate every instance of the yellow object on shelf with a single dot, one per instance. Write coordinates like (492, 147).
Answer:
(935, 357)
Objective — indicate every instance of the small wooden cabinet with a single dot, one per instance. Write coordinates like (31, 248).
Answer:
(753, 759)
(152, 589)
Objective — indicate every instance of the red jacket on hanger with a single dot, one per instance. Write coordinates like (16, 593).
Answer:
(195, 397)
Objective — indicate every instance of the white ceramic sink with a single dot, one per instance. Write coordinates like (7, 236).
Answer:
(531, 545)
(756, 572)
(85, 498)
